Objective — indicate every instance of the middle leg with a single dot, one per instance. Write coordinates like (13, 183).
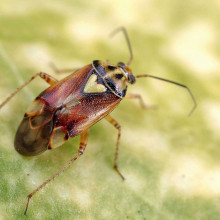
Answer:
(118, 127)
(140, 99)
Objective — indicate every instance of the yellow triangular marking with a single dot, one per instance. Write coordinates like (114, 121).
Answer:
(93, 87)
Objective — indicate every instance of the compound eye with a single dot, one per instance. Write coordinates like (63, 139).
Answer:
(131, 79)
(121, 64)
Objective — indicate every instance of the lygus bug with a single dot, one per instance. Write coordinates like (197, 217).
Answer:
(71, 106)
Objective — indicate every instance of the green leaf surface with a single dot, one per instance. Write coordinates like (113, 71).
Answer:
(170, 161)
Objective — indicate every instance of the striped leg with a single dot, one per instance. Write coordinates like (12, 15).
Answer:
(139, 98)
(83, 142)
(118, 127)
(49, 79)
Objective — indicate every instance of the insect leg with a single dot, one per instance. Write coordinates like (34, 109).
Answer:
(138, 97)
(83, 142)
(49, 79)
(118, 127)
(60, 71)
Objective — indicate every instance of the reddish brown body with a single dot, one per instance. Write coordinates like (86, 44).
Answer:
(65, 110)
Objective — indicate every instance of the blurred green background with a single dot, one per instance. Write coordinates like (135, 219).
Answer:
(170, 162)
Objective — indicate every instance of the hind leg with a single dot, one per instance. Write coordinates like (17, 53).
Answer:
(83, 143)
(47, 78)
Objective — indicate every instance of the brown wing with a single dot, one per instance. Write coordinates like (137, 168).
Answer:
(66, 90)
(34, 132)
(64, 110)
(81, 105)
(90, 109)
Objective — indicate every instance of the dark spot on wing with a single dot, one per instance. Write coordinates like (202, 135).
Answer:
(66, 137)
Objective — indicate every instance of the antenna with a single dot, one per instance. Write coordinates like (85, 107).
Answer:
(127, 40)
(175, 83)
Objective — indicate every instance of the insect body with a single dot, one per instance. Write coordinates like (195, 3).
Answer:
(71, 106)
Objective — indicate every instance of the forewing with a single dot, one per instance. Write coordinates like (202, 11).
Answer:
(66, 90)
(79, 116)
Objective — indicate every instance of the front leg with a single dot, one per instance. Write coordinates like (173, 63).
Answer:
(140, 99)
